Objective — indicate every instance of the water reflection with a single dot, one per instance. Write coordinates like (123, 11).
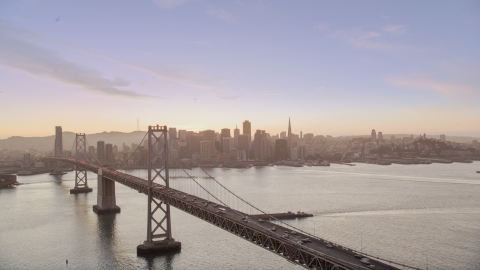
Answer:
(158, 262)
(106, 238)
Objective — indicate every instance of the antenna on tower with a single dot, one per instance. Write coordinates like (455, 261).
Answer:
(138, 124)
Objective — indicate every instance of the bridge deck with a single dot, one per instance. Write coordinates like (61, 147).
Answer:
(311, 253)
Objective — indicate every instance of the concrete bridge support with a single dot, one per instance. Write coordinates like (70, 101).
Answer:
(106, 202)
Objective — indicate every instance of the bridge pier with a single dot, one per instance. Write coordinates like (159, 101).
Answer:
(106, 202)
(78, 190)
(159, 247)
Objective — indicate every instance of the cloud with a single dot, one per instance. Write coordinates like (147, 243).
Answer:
(423, 82)
(229, 97)
(321, 89)
(185, 76)
(395, 29)
(371, 40)
(169, 4)
(273, 94)
(18, 53)
(221, 14)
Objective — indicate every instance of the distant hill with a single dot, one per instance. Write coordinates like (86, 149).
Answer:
(46, 143)
(118, 138)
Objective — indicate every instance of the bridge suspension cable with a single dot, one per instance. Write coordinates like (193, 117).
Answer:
(133, 153)
(201, 184)
(232, 202)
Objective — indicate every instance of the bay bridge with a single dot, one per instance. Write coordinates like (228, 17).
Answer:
(201, 195)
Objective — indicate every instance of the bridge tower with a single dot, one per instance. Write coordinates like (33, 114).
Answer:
(159, 232)
(81, 184)
(57, 152)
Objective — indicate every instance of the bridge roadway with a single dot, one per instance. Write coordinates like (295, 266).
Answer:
(312, 253)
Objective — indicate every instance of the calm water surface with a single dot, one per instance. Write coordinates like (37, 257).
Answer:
(422, 215)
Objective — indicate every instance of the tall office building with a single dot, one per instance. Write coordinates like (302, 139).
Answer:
(58, 139)
(100, 150)
(193, 143)
(260, 145)
(172, 132)
(244, 145)
(442, 137)
(380, 136)
(205, 150)
(247, 128)
(374, 136)
(227, 144)
(236, 132)
(283, 135)
(293, 153)
(225, 133)
(109, 152)
(182, 135)
(209, 135)
(289, 138)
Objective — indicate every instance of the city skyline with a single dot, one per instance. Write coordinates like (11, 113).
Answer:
(334, 68)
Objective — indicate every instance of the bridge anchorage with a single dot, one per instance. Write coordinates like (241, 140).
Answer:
(81, 185)
(158, 211)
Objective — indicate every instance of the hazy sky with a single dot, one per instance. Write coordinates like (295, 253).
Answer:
(334, 67)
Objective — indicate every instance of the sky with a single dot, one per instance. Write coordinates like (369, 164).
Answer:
(334, 67)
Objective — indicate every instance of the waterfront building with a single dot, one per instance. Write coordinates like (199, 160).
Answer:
(281, 149)
(100, 150)
(227, 143)
(293, 153)
(26, 160)
(234, 154)
(222, 158)
(244, 145)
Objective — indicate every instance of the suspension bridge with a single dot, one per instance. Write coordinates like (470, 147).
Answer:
(197, 193)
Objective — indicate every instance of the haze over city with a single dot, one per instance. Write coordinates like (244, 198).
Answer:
(241, 134)
(335, 68)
